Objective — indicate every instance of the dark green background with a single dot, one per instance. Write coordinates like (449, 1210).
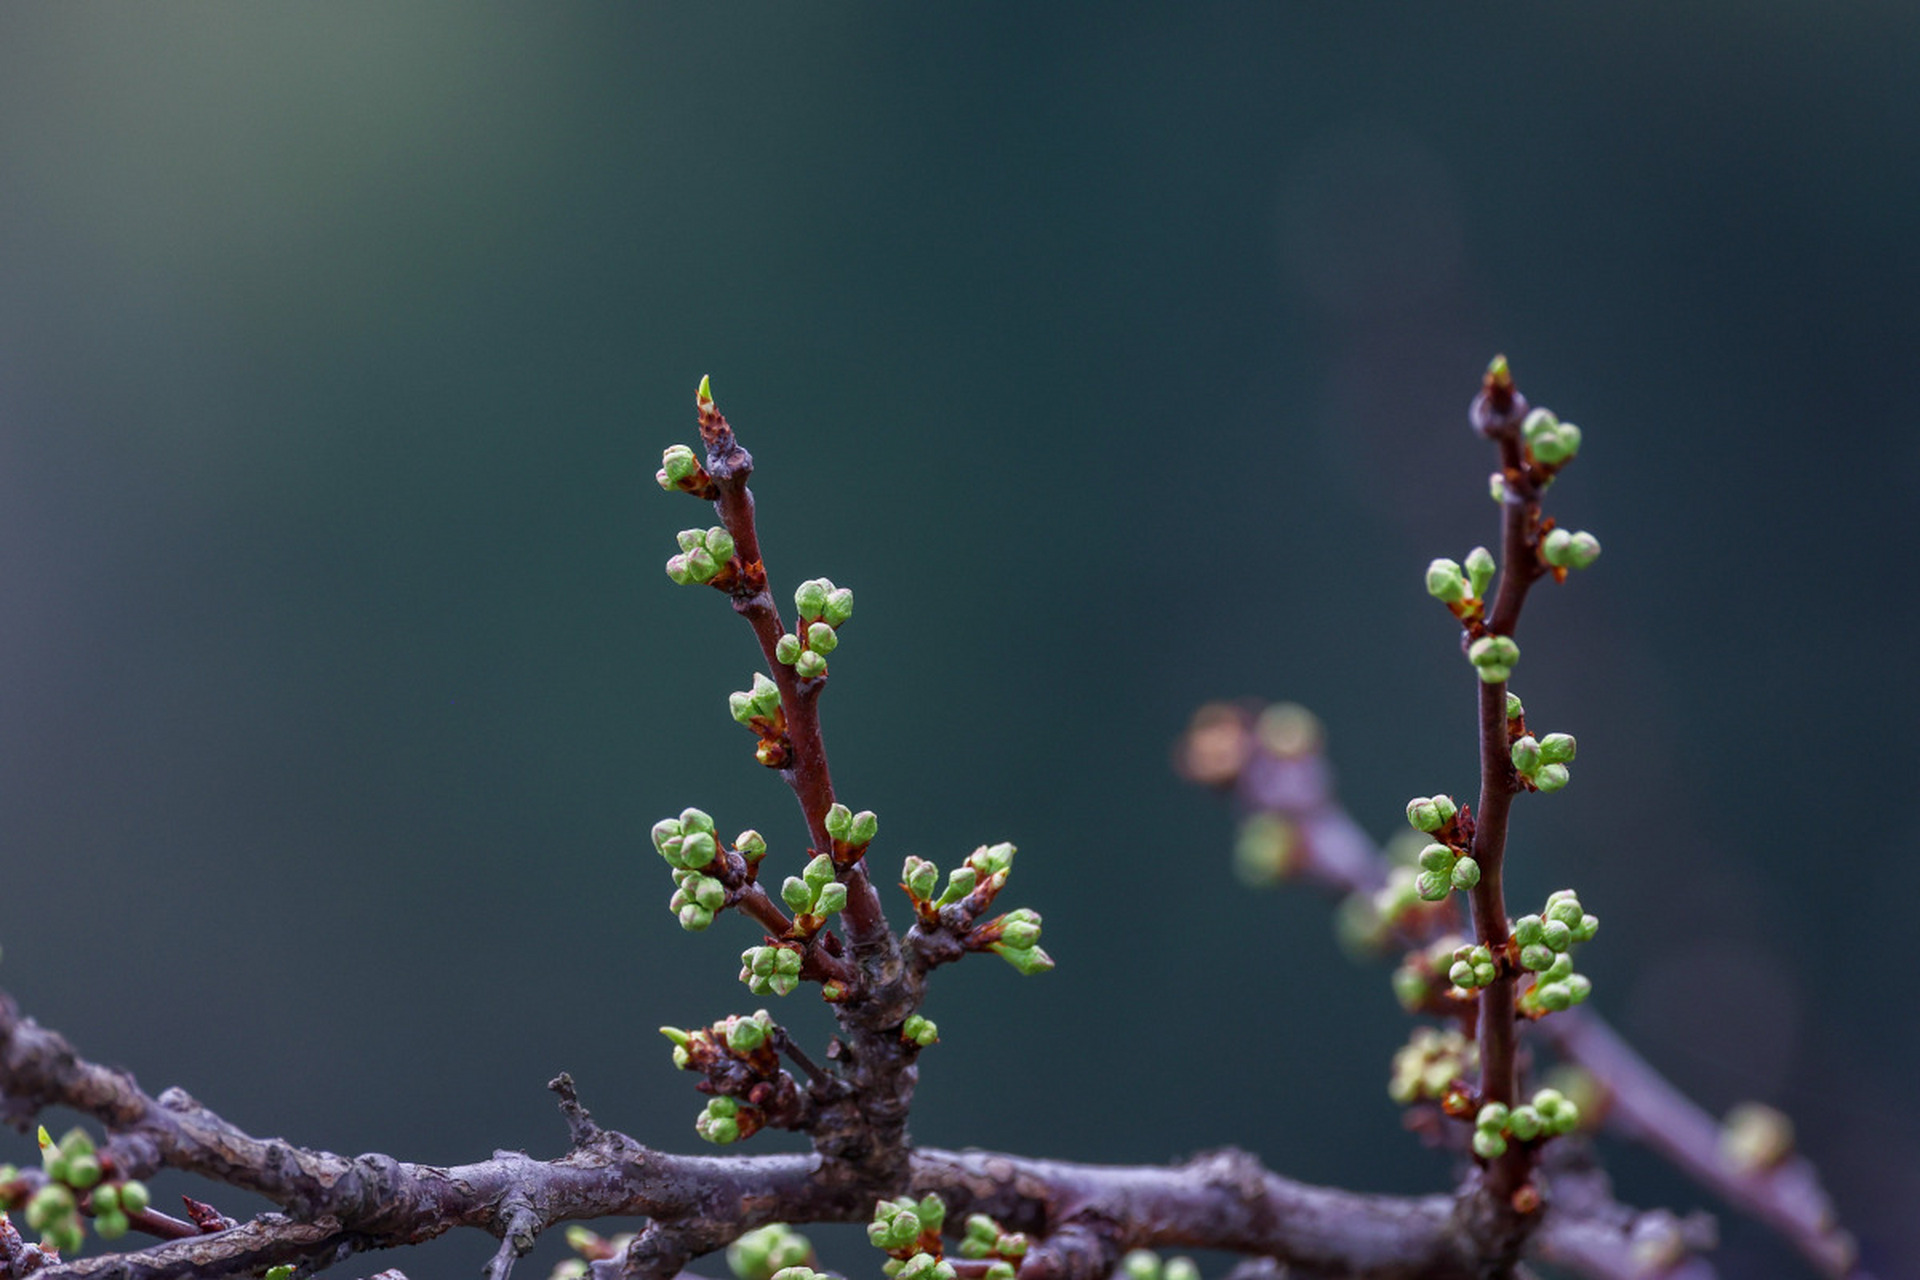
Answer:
(1117, 356)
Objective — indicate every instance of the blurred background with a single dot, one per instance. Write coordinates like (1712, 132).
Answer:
(1118, 357)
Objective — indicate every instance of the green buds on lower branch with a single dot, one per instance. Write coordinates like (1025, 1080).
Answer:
(1431, 814)
(986, 1238)
(920, 1031)
(703, 554)
(1549, 441)
(902, 1227)
(680, 470)
(696, 899)
(1550, 1114)
(1493, 657)
(762, 1252)
(720, 1123)
(770, 970)
(1442, 870)
(1145, 1264)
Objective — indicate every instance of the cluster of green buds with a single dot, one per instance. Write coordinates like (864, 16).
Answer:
(681, 471)
(696, 898)
(985, 870)
(703, 554)
(1472, 968)
(74, 1171)
(687, 842)
(1545, 942)
(1549, 1114)
(770, 970)
(1493, 657)
(823, 609)
(1430, 1063)
(814, 894)
(906, 1226)
(1462, 588)
(766, 1251)
(986, 1238)
(739, 1034)
(759, 709)
(1549, 441)
(725, 1120)
(1443, 869)
(1019, 940)
(850, 832)
(1145, 1264)
(1543, 761)
(1563, 550)
(918, 1030)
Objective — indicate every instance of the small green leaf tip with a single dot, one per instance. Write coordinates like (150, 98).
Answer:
(704, 396)
(1446, 583)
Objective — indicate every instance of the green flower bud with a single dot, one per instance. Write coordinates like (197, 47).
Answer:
(786, 650)
(1524, 1124)
(919, 1030)
(959, 884)
(988, 859)
(678, 462)
(818, 871)
(932, 1212)
(1020, 928)
(866, 825)
(1445, 582)
(1536, 956)
(839, 822)
(1461, 975)
(999, 1271)
(750, 845)
(1488, 1146)
(1566, 910)
(82, 1172)
(1438, 858)
(839, 606)
(52, 1202)
(698, 849)
(1180, 1269)
(694, 917)
(679, 570)
(691, 540)
(1494, 657)
(920, 877)
(1497, 487)
(1588, 926)
(1424, 815)
(1557, 549)
(701, 566)
(110, 1226)
(1480, 569)
(1553, 996)
(692, 820)
(741, 707)
(796, 893)
(1432, 886)
(719, 1130)
(744, 1035)
(720, 544)
(1446, 808)
(821, 638)
(1556, 935)
(1141, 1264)
(1466, 873)
(1514, 709)
(810, 598)
(1526, 930)
(809, 665)
(833, 897)
(1551, 777)
(1579, 987)
(1492, 1117)
(105, 1199)
(1028, 960)
(1584, 550)
(709, 893)
(1558, 748)
(1409, 987)
(664, 830)
(1560, 970)
(1526, 755)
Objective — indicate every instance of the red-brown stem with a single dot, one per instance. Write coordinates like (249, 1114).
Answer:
(1499, 412)
(806, 772)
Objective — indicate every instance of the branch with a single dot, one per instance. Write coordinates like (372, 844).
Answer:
(1330, 851)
